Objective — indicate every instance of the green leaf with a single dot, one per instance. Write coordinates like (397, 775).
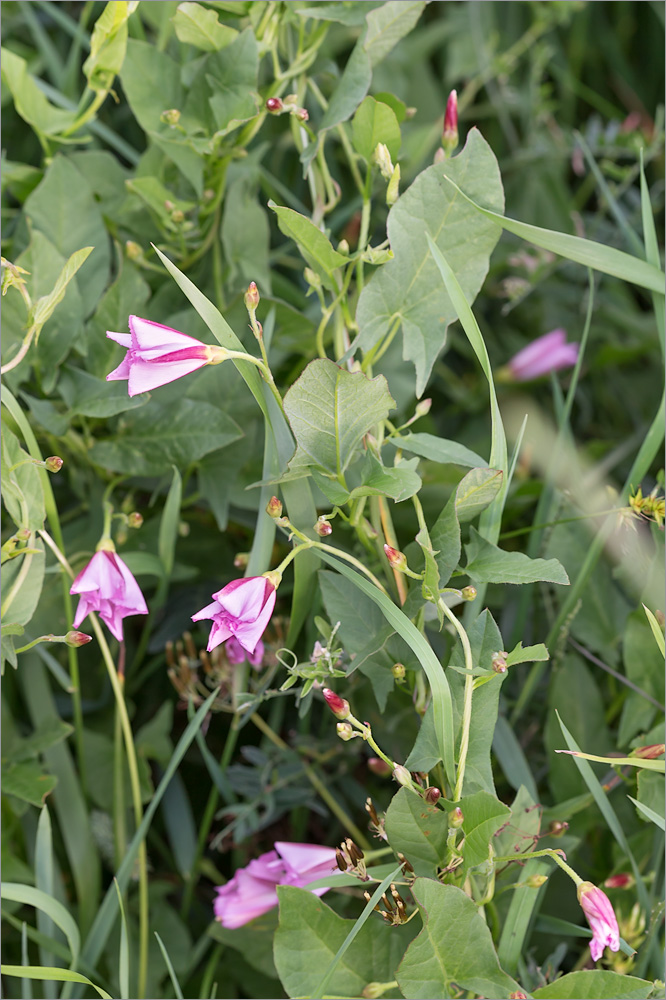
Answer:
(417, 830)
(28, 782)
(94, 397)
(48, 734)
(27, 894)
(650, 802)
(375, 122)
(199, 26)
(159, 436)
(476, 491)
(20, 594)
(51, 975)
(310, 928)
(43, 308)
(656, 630)
(400, 482)
(166, 545)
(29, 101)
(484, 815)
(486, 563)
(527, 654)
(597, 985)
(155, 195)
(649, 814)
(524, 901)
(312, 243)
(108, 44)
(409, 289)
(329, 410)
(387, 25)
(348, 94)
(254, 941)
(453, 951)
(22, 492)
(232, 76)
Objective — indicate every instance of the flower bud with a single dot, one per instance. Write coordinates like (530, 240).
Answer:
(290, 99)
(536, 881)
(402, 776)
(322, 527)
(274, 507)
(169, 205)
(468, 593)
(382, 158)
(134, 520)
(177, 216)
(170, 117)
(339, 706)
(133, 250)
(450, 133)
(623, 880)
(498, 662)
(397, 560)
(312, 278)
(343, 247)
(422, 407)
(456, 818)
(398, 671)
(302, 114)
(558, 828)
(345, 731)
(241, 559)
(393, 189)
(432, 795)
(650, 752)
(53, 464)
(439, 156)
(274, 106)
(379, 767)
(23, 534)
(251, 297)
(375, 990)
(75, 638)
(518, 995)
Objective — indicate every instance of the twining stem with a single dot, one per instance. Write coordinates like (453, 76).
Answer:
(467, 697)
(310, 543)
(18, 358)
(389, 535)
(545, 853)
(317, 784)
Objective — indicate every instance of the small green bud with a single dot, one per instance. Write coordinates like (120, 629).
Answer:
(134, 520)
(393, 189)
(398, 671)
(345, 731)
(251, 297)
(177, 216)
(241, 559)
(536, 881)
(382, 158)
(170, 117)
(402, 776)
(133, 250)
(53, 464)
(468, 593)
(456, 818)
(75, 638)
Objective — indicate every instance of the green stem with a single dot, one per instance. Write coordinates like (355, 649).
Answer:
(546, 853)
(119, 828)
(467, 698)
(310, 543)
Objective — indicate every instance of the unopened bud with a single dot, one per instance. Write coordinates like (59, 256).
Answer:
(76, 639)
(133, 250)
(450, 133)
(536, 881)
(302, 114)
(518, 995)
(402, 776)
(398, 671)
(345, 731)
(23, 534)
(134, 520)
(393, 189)
(241, 559)
(274, 105)
(54, 463)
(343, 247)
(456, 817)
(339, 706)
(177, 216)
(382, 158)
(379, 767)
(422, 407)
(251, 297)
(322, 527)
(170, 117)
(312, 277)
(274, 507)
(375, 990)
(623, 880)
(432, 795)
(397, 560)
(290, 99)
(498, 662)
(468, 593)
(650, 752)
(169, 205)
(558, 828)
(439, 156)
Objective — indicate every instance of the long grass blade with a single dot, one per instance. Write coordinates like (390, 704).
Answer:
(648, 813)
(44, 882)
(50, 974)
(169, 965)
(123, 953)
(16, 893)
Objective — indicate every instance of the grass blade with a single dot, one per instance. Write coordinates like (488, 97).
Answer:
(656, 630)
(172, 973)
(52, 975)
(26, 989)
(16, 893)
(523, 904)
(123, 955)
(649, 813)
(44, 882)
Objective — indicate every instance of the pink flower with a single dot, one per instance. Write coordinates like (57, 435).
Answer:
(600, 915)
(107, 586)
(451, 118)
(157, 354)
(236, 653)
(242, 609)
(544, 355)
(252, 890)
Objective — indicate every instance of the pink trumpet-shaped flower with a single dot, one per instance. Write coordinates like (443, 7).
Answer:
(252, 890)
(236, 653)
(242, 609)
(600, 915)
(157, 354)
(544, 355)
(107, 587)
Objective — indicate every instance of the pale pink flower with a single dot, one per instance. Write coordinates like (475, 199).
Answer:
(252, 890)
(157, 354)
(544, 355)
(107, 587)
(236, 653)
(242, 609)
(600, 915)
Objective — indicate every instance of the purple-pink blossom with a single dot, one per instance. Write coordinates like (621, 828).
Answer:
(107, 586)
(157, 354)
(236, 653)
(252, 890)
(544, 355)
(600, 915)
(241, 609)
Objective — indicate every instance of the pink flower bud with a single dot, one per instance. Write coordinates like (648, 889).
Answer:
(423, 408)
(518, 995)
(379, 767)
(397, 560)
(600, 915)
(450, 133)
(302, 114)
(345, 731)
(339, 706)
(75, 638)
(432, 795)
(498, 663)
(650, 752)
(322, 527)
(251, 297)
(544, 355)
(274, 507)
(623, 880)
(53, 464)
(274, 105)
(456, 818)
